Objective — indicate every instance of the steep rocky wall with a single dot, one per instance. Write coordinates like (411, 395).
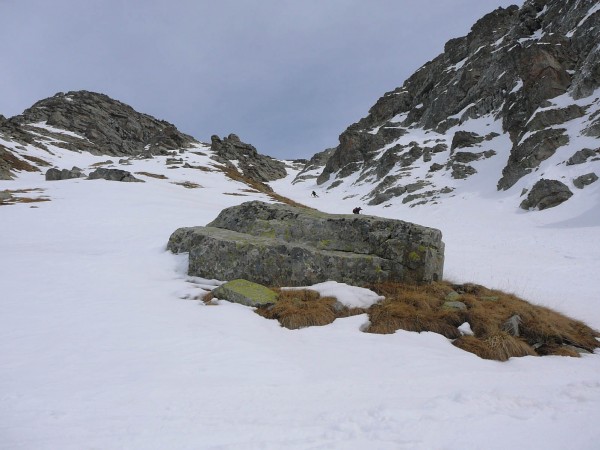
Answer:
(510, 65)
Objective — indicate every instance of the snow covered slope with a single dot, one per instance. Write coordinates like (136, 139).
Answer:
(105, 345)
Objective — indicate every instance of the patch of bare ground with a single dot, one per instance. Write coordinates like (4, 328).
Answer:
(188, 184)
(12, 162)
(235, 175)
(159, 176)
(8, 197)
(38, 161)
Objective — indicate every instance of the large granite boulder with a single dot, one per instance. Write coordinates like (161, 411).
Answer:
(55, 174)
(546, 194)
(281, 245)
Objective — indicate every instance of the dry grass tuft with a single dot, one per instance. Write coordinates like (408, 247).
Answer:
(153, 175)
(559, 351)
(414, 308)
(300, 308)
(542, 331)
(541, 327)
(499, 347)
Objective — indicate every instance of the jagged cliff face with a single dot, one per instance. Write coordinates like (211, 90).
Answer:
(517, 94)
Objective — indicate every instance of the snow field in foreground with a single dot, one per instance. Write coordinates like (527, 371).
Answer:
(99, 350)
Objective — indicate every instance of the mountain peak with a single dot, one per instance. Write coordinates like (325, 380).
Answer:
(108, 126)
(521, 81)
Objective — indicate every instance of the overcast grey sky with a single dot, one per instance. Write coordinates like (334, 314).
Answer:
(287, 76)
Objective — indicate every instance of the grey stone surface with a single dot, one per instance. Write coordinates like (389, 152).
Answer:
(246, 293)
(276, 244)
(455, 305)
(113, 175)
(252, 165)
(546, 194)
(528, 154)
(55, 174)
(582, 156)
(106, 126)
(585, 180)
(464, 139)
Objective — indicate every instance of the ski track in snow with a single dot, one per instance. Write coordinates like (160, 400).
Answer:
(103, 348)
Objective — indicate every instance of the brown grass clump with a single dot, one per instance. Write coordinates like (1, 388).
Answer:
(542, 331)
(414, 308)
(541, 327)
(153, 175)
(301, 308)
(499, 347)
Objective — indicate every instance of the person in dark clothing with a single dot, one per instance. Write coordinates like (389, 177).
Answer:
(314, 194)
(357, 210)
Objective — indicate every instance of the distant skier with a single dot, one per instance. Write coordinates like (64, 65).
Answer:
(357, 210)
(314, 194)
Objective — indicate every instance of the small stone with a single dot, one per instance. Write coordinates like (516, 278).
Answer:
(452, 296)
(584, 180)
(454, 305)
(246, 293)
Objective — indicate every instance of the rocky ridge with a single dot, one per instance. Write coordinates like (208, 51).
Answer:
(99, 125)
(521, 87)
(83, 121)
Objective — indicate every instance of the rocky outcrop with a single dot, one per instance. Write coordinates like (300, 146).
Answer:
(585, 180)
(584, 155)
(313, 167)
(546, 194)
(528, 155)
(510, 69)
(247, 160)
(280, 245)
(55, 174)
(102, 126)
(113, 175)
